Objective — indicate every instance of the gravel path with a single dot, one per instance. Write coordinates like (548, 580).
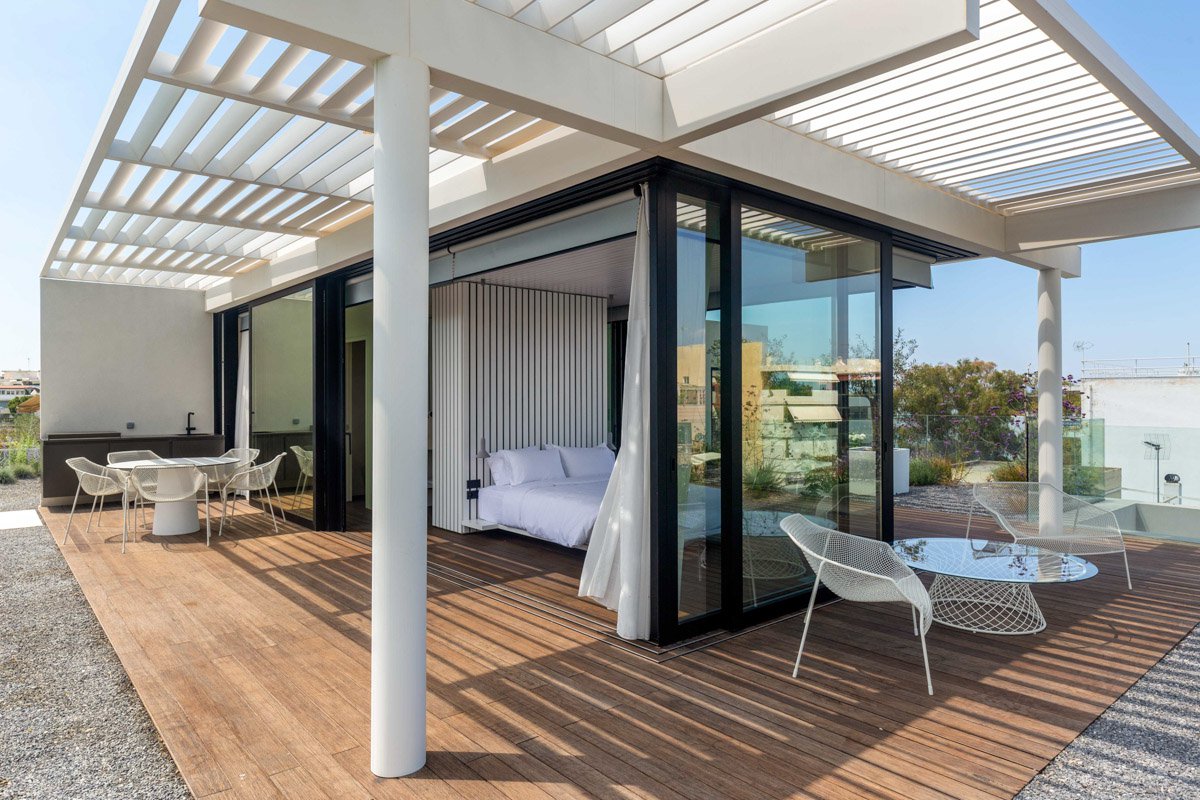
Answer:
(72, 725)
(1146, 745)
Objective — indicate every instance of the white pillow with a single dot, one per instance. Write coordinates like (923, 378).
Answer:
(498, 467)
(586, 462)
(534, 465)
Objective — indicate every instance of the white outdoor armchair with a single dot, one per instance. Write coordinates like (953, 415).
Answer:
(219, 474)
(860, 570)
(101, 483)
(259, 478)
(1087, 529)
(120, 456)
(188, 483)
(305, 459)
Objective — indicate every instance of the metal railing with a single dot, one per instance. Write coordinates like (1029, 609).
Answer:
(1157, 367)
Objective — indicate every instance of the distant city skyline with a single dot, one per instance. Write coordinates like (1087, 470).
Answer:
(1135, 299)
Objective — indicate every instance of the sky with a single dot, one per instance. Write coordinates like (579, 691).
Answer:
(59, 60)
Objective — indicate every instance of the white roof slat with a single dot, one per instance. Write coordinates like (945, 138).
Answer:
(272, 79)
(316, 173)
(244, 52)
(341, 98)
(315, 146)
(292, 136)
(200, 46)
(322, 74)
(197, 115)
(232, 119)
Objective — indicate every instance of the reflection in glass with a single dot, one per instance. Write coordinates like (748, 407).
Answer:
(697, 422)
(810, 389)
(281, 388)
(357, 439)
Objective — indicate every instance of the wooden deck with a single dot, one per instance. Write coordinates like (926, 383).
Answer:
(252, 658)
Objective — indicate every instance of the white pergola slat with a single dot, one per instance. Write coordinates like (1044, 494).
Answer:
(219, 141)
(224, 161)
(1013, 122)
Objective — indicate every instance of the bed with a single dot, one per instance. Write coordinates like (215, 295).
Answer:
(559, 510)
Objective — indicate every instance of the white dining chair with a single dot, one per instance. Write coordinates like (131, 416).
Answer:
(101, 483)
(121, 456)
(148, 483)
(254, 478)
(305, 459)
(860, 570)
(219, 474)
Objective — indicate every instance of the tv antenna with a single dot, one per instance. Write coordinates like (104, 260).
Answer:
(1082, 347)
(1158, 447)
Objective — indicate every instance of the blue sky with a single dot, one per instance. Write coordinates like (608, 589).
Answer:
(58, 62)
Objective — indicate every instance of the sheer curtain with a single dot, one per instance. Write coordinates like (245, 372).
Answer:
(616, 570)
(241, 416)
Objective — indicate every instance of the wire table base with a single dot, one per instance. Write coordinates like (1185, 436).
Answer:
(983, 606)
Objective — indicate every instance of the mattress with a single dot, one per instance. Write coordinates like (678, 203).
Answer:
(562, 511)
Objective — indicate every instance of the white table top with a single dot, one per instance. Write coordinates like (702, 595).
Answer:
(200, 461)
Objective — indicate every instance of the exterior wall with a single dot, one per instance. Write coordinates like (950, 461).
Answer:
(115, 354)
(517, 367)
(1133, 409)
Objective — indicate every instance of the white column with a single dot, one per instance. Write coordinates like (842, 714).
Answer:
(1050, 396)
(400, 407)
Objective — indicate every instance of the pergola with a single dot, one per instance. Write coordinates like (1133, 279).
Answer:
(260, 142)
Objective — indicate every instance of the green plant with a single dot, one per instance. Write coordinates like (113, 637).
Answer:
(1012, 472)
(7, 476)
(761, 478)
(24, 471)
(930, 471)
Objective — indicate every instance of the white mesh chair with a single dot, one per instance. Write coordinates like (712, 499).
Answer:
(119, 456)
(1087, 529)
(187, 483)
(101, 483)
(861, 570)
(219, 474)
(259, 478)
(305, 459)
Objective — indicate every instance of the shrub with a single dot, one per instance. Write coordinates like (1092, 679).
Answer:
(930, 471)
(761, 478)
(7, 476)
(1012, 472)
(24, 471)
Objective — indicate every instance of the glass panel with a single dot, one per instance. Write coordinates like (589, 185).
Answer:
(281, 389)
(698, 430)
(358, 414)
(810, 391)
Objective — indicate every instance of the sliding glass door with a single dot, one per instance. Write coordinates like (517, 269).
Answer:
(281, 395)
(777, 365)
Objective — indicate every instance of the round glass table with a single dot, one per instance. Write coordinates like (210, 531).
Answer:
(984, 586)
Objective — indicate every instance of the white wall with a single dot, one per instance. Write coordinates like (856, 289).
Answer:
(116, 354)
(1135, 409)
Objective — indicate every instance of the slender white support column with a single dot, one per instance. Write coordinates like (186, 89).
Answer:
(1050, 397)
(400, 407)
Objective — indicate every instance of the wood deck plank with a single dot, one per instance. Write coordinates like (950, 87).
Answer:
(252, 658)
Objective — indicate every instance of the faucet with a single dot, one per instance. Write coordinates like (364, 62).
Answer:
(190, 428)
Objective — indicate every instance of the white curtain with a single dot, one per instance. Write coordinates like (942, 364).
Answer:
(241, 417)
(616, 571)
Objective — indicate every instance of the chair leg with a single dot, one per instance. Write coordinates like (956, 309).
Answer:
(970, 517)
(124, 521)
(207, 523)
(812, 599)
(225, 513)
(91, 514)
(270, 506)
(916, 628)
(1128, 578)
(925, 655)
(280, 499)
(67, 532)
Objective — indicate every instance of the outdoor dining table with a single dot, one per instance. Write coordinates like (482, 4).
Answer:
(182, 516)
(984, 586)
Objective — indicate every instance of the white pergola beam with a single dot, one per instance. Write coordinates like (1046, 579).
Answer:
(1137, 214)
(773, 71)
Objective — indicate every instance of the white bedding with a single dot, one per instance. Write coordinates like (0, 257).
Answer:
(562, 510)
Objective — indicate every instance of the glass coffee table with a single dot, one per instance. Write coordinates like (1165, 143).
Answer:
(984, 586)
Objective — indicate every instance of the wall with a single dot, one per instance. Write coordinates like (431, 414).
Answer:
(116, 354)
(518, 367)
(1164, 409)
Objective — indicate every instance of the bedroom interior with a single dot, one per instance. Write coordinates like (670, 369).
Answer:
(532, 318)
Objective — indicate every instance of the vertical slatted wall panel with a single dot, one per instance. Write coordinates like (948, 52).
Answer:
(516, 367)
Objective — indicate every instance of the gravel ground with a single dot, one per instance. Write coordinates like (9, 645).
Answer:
(1146, 745)
(72, 725)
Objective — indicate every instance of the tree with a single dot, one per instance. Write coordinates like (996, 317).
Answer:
(16, 401)
(962, 411)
